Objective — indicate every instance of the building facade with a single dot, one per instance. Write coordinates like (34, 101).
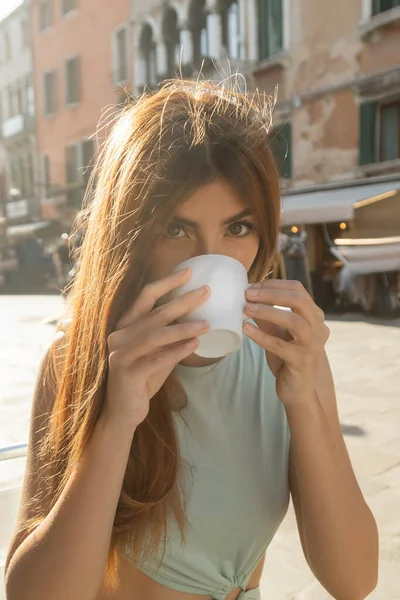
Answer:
(184, 37)
(337, 119)
(338, 75)
(82, 64)
(18, 169)
(338, 85)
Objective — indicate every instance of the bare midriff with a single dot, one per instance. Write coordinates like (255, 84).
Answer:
(135, 585)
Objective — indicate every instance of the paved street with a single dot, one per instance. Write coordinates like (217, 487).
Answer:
(365, 361)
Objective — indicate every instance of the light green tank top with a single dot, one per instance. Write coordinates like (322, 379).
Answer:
(235, 437)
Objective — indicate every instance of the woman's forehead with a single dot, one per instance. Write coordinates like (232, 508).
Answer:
(217, 199)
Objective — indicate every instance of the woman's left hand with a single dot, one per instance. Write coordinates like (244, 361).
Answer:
(294, 340)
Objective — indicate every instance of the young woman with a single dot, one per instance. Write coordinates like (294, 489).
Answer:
(153, 474)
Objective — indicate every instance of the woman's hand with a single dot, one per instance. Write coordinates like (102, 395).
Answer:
(294, 340)
(145, 348)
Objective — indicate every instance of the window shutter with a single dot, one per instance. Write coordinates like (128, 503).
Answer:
(263, 29)
(275, 27)
(367, 153)
(286, 144)
(281, 146)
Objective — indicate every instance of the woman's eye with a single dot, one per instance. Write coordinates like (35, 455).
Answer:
(175, 231)
(240, 229)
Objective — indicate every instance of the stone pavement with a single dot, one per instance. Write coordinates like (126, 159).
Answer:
(365, 360)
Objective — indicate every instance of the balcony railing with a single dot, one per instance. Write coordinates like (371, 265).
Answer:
(17, 125)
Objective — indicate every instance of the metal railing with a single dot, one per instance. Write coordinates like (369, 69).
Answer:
(13, 451)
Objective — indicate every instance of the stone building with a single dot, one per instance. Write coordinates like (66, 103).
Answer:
(82, 65)
(218, 37)
(18, 173)
(338, 73)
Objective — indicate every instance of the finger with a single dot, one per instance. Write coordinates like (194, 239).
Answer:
(168, 358)
(291, 285)
(297, 301)
(149, 295)
(276, 345)
(292, 322)
(152, 340)
(167, 313)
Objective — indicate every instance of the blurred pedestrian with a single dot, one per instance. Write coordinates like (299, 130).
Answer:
(62, 260)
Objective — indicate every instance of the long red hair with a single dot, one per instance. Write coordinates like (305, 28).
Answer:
(162, 148)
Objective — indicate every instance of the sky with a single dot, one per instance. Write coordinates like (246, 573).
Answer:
(7, 6)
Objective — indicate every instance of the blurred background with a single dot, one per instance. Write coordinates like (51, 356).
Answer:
(68, 65)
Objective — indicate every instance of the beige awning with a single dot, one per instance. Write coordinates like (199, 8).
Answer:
(364, 259)
(333, 205)
(26, 228)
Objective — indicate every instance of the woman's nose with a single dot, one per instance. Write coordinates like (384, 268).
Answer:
(208, 246)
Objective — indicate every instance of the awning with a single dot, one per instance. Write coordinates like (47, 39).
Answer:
(333, 205)
(365, 259)
(26, 228)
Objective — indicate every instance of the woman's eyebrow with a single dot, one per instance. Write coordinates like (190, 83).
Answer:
(244, 213)
(184, 222)
(193, 225)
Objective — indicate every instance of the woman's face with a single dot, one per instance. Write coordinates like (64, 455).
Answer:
(215, 220)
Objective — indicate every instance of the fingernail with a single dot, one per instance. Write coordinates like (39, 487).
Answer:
(253, 292)
(183, 272)
(252, 307)
(203, 290)
(199, 325)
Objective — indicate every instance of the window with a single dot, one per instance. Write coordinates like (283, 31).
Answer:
(231, 28)
(379, 132)
(270, 22)
(72, 175)
(281, 146)
(29, 97)
(46, 16)
(389, 129)
(171, 38)
(19, 99)
(7, 46)
(87, 159)
(29, 171)
(73, 80)
(379, 6)
(46, 175)
(68, 5)
(22, 170)
(121, 55)
(198, 27)
(148, 52)
(71, 164)
(50, 93)
(10, 101)
(24, 34)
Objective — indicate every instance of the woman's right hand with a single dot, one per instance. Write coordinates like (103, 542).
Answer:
(145, 347)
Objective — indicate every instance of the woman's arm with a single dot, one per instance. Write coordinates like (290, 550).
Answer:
(337, 530)
(65, 556)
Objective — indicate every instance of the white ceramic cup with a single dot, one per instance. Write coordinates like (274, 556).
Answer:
(224, 309)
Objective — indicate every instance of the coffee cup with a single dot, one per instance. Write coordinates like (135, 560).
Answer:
(224, 309)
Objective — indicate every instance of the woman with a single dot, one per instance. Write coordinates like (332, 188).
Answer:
(158, 475)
